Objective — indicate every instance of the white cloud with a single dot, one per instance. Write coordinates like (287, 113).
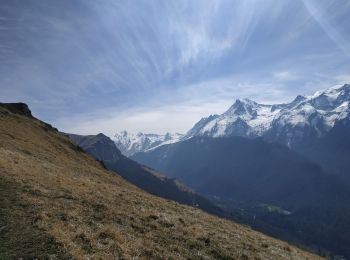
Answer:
(285, 75)
(177, 111)
(343, 79)
(167, 118)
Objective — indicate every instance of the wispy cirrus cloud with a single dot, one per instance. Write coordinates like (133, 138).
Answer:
(343, 78)
(325, 14)
(109, 65)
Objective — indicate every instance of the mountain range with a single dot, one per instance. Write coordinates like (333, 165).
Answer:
(130, 143)
(284, 167)
(295, 124)
(303, 119)
(57, 202)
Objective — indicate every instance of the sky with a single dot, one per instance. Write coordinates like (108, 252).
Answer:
(157, 66)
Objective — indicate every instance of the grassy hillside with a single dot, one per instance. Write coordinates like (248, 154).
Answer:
(56, 201)
(104, 149)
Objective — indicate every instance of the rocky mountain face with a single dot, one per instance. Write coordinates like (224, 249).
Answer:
(303, 119)
(251, 171)
(104, 149)
(129, 143)
(332, 151)
(99, 146)
(17, 108)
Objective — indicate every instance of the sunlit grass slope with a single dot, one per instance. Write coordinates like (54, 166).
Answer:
(58, 202)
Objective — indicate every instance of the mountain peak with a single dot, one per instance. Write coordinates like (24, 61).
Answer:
(299, 98)
(246, 101)
(330, 91)
(340, 87)
(17, 108)
(286, 123)
(101, 135)
(242, 107)
(130, 143)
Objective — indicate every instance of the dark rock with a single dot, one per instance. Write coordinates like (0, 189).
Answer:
(17, 108)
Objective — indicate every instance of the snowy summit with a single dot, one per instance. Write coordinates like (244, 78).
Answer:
(130, 143)
(286, 123)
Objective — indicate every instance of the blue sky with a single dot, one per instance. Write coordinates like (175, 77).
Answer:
(90, 66)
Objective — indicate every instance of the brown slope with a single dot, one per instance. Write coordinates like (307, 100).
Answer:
(76, 208)
(104, 149)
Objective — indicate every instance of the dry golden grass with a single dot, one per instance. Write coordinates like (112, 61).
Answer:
(91, 213)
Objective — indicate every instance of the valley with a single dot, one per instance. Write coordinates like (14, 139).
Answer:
(295, 161)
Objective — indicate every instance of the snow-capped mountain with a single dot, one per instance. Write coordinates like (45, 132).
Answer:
(130, 143)
(292, 123)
